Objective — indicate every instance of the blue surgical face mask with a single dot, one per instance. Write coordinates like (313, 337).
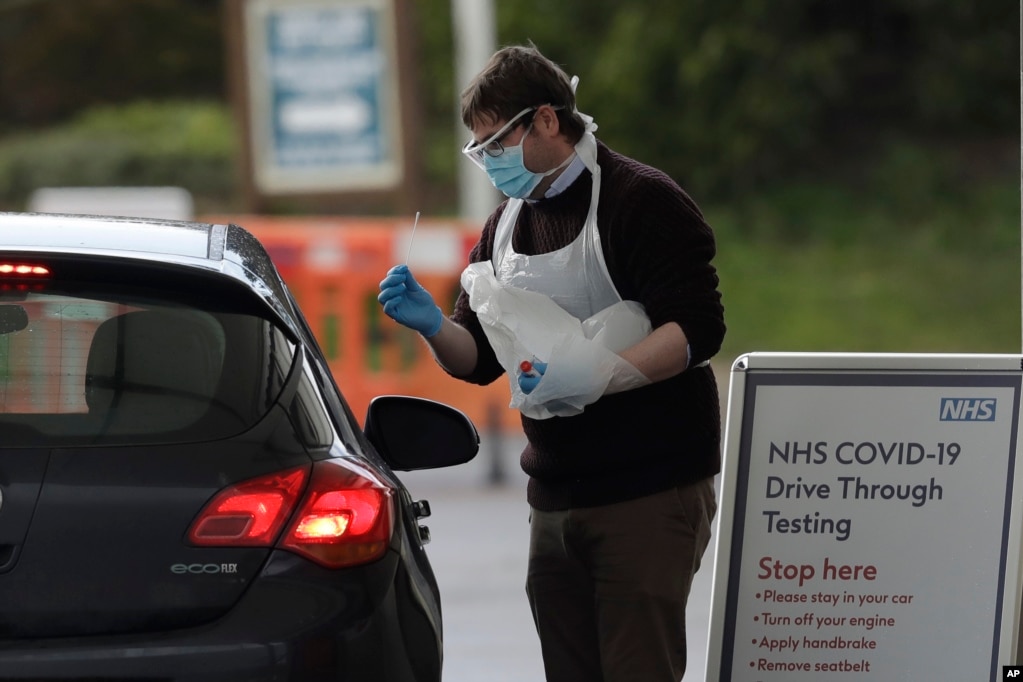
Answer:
(509, 174)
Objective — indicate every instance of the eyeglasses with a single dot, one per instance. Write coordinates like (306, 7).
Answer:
(492, 146)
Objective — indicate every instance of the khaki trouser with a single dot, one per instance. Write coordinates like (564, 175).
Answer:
(608, 585)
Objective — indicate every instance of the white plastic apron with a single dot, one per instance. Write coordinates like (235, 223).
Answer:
(561, 308)
(575, 276)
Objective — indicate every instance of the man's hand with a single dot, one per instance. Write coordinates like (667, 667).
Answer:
(406, 302)
(530, 374)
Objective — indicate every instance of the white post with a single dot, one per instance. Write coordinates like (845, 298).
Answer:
(1019, 616)
(475, 35)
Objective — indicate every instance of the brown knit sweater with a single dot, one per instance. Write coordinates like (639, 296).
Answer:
(658, 250)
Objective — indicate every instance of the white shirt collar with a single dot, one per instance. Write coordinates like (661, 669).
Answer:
(563, 181)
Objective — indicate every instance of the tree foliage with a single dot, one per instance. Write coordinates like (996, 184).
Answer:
(726, 95)
(729, 94)
(58, 58)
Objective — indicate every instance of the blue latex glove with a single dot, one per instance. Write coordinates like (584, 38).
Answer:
(529, 380)
(406, 302)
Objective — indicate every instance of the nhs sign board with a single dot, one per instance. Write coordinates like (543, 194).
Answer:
(968, 409)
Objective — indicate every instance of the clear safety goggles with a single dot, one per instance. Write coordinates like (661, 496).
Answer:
(492, 146)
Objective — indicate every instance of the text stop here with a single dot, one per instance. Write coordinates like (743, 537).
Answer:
(775, 569)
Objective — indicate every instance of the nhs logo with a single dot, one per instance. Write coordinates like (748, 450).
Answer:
(968, 409)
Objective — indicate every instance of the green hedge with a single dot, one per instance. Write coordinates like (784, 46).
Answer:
(183, 144)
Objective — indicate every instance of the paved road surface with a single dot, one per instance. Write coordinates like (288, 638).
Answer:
(480, 535)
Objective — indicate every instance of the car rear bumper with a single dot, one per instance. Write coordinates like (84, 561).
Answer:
(290, 626)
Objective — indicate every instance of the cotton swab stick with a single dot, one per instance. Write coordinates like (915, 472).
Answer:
(411, 237)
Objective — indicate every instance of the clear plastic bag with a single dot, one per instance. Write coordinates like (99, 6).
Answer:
(581, 356)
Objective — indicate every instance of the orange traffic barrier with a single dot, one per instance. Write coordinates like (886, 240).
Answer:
(333, 266)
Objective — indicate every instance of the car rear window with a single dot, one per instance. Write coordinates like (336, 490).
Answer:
(95, 363)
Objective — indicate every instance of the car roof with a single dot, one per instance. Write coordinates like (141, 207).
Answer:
(228, 250)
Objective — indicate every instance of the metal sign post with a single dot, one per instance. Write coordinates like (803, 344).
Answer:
(475, 34)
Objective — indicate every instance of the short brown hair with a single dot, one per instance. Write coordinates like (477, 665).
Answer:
(517, 77)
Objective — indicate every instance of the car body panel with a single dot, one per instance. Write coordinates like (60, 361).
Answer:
(134, 560)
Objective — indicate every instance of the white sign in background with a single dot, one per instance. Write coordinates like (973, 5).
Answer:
(870, 529)
(324, 97)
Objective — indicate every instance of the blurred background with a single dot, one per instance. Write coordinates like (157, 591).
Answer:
(859, 162)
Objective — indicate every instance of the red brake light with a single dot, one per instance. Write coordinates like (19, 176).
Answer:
(251, 513)
(24, 270)
(345, 519)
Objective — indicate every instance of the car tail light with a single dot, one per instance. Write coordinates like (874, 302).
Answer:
(345, 519)
(251, 513)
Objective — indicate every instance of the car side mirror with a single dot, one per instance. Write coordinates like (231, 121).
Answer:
(416, 433)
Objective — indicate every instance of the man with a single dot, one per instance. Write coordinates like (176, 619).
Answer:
(620, 488)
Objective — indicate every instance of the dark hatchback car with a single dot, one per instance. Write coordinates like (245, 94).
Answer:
(184, 493)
